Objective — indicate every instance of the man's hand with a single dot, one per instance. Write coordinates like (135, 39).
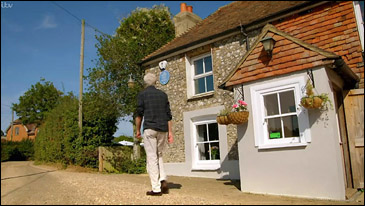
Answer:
(138, 135)
(138, 127)
(170, 138)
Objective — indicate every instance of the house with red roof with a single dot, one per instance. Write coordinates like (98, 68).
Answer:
(283, 148)
(19, 131)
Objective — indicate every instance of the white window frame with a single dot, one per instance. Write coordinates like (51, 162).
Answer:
(260, 126)
(360, 22)
(203, 164)
(191, 76)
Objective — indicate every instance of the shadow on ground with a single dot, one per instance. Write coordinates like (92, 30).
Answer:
(174, 185)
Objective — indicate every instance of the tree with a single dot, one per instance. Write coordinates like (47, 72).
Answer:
(36, 102)
(141, 33)
(58, 139)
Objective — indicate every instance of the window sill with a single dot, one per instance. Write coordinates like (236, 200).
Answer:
(205, 165)
(282, 146)
(198, 96)
(212, 168)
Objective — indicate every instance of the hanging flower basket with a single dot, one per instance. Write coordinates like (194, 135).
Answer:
(238, 117)
(313, 102)
(222, 117)
(223, 120)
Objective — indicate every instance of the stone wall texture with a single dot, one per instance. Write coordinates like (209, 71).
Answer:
(226, 54)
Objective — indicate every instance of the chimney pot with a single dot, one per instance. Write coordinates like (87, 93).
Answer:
(183, 7)
(190, 9)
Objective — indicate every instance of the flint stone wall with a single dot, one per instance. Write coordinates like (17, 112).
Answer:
(226, 54)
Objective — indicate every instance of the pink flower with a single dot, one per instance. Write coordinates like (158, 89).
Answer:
(242, 102)
(235, 106)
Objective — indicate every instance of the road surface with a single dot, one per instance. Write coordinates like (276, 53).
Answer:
(26, 183)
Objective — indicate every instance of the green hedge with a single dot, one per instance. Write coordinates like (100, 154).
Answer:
(121, 160)
(17, 151)
(58, 140)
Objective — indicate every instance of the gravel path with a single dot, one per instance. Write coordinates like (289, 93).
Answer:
(25, 183)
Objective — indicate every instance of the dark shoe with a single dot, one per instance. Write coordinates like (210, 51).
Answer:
(152, 193)
(164, 187)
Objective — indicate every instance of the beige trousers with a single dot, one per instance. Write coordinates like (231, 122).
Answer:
(154, 144)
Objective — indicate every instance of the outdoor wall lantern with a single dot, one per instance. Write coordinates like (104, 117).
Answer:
(268, 43)
(130, 82)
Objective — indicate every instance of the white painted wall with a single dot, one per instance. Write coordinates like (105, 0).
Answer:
(313, 171)
(229, 168)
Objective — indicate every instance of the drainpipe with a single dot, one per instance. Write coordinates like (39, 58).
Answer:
(243, 32)
(349, 76)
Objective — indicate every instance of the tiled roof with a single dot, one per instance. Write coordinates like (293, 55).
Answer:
(31, 126)
(303, 41)
(289, 54)
(332, 27)
(226, 18)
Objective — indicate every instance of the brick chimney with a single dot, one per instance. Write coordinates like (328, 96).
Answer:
(185, 19)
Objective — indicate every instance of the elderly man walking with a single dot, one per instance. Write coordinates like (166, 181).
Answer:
(154, 107)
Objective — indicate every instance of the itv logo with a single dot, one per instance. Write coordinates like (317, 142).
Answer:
(5, 5)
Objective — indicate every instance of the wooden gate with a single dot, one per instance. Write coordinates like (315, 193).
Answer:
(354, 112)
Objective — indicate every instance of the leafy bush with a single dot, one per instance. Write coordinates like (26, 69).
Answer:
(122, 162)
(58, 140)
(17, 151)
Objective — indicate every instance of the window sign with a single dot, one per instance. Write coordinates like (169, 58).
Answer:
(275, 135)
(278, 120)
(281, 119)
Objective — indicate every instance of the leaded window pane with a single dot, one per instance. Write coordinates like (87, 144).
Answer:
(274, 128)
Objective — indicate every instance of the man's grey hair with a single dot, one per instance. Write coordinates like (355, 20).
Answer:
(150, 79)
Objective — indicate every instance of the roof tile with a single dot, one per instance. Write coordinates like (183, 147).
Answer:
(294, 55)
(226, 18)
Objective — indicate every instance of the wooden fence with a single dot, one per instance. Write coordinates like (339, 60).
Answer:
(354, 112)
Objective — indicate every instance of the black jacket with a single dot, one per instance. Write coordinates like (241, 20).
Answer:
(153, 105)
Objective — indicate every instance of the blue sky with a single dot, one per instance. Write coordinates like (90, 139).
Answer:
(41, 40)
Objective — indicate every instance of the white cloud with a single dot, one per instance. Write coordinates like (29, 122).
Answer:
(48, 22)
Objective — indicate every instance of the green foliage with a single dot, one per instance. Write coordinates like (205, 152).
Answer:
(99, 120)
(224, 112)
(141, 33)
(88, 156)
(315, 101)
(123, 163)
(108, 97)
(58, 140)
(37, 102)
(17, 151)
